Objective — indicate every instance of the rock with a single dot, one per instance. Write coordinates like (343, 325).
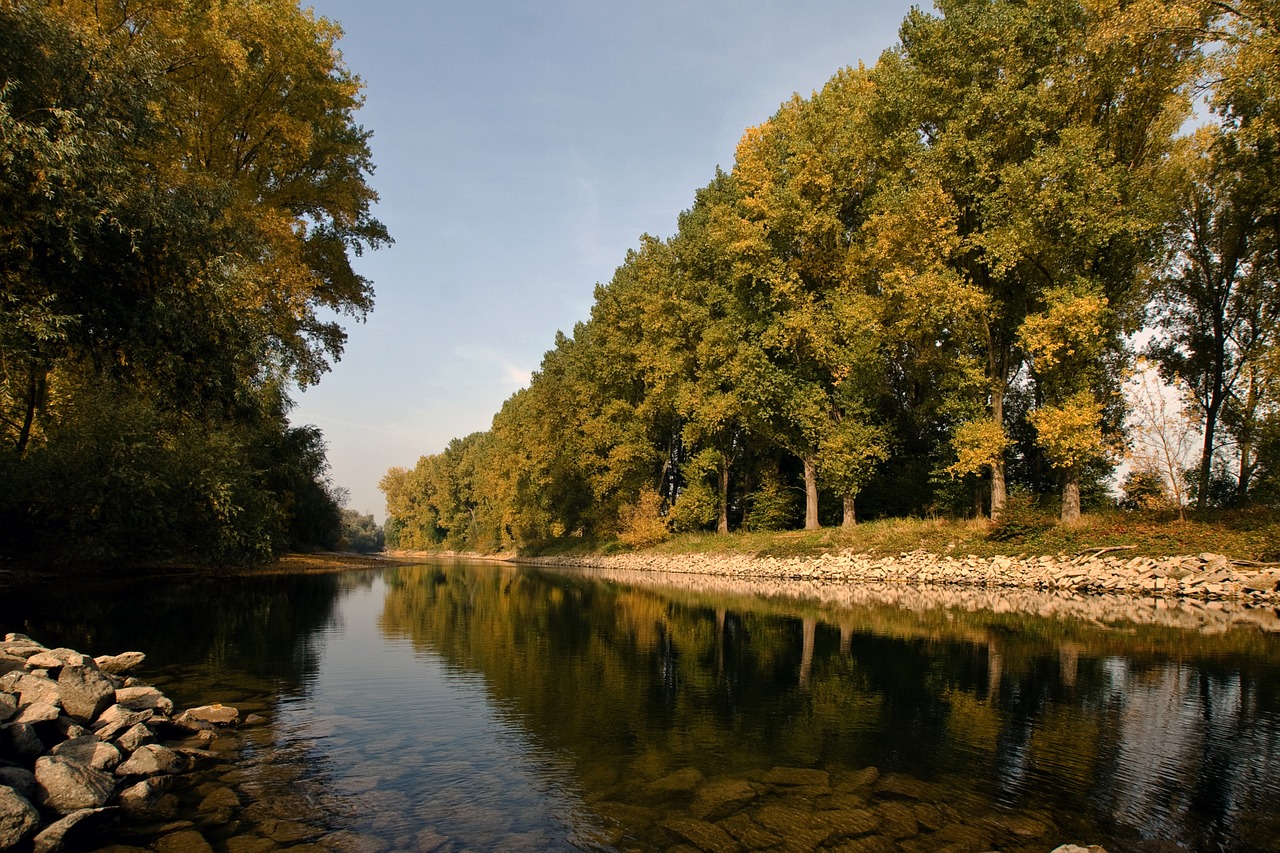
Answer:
(220, 799)
(37, 712)
(798, 776)
(121, 663)
(185, 841)
(24, 741)
(144, 699)
(117, 719)
(218, 715)
(720, 798)
(89, 750)
(73, 830)
(137, 736)
(702, 835)
(145, 799)
(8, 706)
(21, 780)
(86, 692)
(19, 820)
(152, 760)
(66, 785)
(33, 688)
(1073, 848)
(679, 782)
(250, 844)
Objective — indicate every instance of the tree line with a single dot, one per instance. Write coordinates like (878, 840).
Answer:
(918, 290)
(182, 187)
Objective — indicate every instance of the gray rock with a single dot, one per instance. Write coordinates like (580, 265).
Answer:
(219, 715)
(9, 681)
(117, 719)
(24, 741)
(146, 798)
(186, 841)
(66, 785)
(86, 692)
(38, 712)
(32, 688)
(69, 728)
(8, 706)
(91, 751)
(144, 699)
(152, 760)
(11, 663)
(19, 820)
(136, 736)
(21, 780)
(15, 637)
(73, 830)
(121, 663)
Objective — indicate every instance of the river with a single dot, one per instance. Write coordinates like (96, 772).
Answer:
(459, 706)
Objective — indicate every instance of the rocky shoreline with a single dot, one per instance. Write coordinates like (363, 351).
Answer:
(1204, 577)
(84, 744)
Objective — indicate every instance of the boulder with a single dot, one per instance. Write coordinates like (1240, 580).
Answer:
(146, 798)
(38, 712)
(219, 715)
(117, 719)
(86, 692)
(121, 663)
(8, 706)
(32, 688)
(21, 780)
(152, 760)
(11, 663)
(138, 735)
(19, 820)
(24, 741)
(184, 841)
(91, 751)
(144, 698)
(74, 830)
(66, 785)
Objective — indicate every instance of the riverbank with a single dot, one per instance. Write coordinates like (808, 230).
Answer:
(1106, 570)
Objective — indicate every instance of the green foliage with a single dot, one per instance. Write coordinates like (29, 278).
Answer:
(182, 189)
(772, 506)
(361, 533)
(932, 265)
(643, 523)
(695, 508)
(1020, 520)
(1144, 489)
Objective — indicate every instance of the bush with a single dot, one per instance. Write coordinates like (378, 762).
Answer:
(641, 523)
(772, 506)
(696, 508)
(1021, 518)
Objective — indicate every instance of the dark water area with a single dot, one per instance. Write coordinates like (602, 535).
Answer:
(456, 706)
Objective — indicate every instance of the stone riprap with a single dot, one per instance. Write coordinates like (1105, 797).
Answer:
(83, 743)
(1206, 577)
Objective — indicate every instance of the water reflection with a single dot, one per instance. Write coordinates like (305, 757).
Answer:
(454, 706)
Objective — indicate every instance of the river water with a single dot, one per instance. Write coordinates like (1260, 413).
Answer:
(464, 706)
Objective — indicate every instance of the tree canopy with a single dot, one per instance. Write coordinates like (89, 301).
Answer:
(183, 187)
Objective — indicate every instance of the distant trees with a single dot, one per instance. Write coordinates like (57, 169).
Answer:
(182, 187)
(917, 287)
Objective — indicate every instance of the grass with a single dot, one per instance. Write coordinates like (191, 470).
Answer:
(1252, 534)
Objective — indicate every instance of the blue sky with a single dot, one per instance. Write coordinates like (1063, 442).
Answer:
(522, 148)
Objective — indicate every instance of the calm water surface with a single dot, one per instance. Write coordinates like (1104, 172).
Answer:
(454, 706)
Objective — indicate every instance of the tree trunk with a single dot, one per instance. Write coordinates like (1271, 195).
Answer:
(999, 493)
(810, 628)
(36, 386)
(722, 524)
(810, 492)
(1245, 440)
(1071, 497)
(850, 514)
(977, 499)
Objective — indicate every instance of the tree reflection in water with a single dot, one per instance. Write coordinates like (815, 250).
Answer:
(1089, 729)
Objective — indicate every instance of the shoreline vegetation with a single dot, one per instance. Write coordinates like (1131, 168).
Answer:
(1211, 558)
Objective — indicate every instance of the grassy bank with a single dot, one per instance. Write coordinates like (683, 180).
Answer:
(1241, 534)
